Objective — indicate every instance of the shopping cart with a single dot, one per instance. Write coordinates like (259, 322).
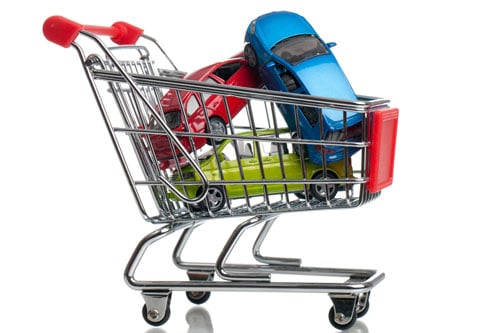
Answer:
(256, 169)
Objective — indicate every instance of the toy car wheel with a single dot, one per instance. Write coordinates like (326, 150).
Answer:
(198, 297)
(216, 199)
(250, 56)
(218, 127)
(324, 191)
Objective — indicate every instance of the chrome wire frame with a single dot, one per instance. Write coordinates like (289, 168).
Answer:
(136, 106)
(245, 277)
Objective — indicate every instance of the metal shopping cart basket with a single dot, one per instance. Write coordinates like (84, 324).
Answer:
(254, 167)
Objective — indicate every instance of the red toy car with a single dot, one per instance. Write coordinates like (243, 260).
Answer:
(234, 71)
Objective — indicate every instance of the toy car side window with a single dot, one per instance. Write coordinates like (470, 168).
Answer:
(206, 95)
(278, 148)
(192, 105)
(244, 148)
(289, 81)
(311, 114)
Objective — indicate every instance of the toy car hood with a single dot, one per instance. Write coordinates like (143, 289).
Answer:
(323, 77)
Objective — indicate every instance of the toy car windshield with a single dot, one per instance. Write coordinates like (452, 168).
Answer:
(299, 48)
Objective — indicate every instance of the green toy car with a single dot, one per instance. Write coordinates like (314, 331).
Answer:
(239, 161)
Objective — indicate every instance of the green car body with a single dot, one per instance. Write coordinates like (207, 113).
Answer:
(279, 164)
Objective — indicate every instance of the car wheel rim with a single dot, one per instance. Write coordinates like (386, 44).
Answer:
(217, 127)
(322, 190)
(214, 197)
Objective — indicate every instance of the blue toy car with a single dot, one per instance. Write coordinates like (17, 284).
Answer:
(291, 57)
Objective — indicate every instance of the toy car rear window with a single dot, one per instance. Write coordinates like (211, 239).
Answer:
(227, 70)
(299, 48)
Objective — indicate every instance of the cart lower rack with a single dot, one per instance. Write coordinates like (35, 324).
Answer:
(190, 156)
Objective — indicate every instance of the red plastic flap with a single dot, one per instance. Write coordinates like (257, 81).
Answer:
(382, 149)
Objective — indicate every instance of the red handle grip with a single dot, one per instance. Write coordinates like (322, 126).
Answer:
(63, 31)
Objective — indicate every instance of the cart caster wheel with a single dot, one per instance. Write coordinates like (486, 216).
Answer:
(364, 310)
(152, 316)
(340, 321)
(198, 297)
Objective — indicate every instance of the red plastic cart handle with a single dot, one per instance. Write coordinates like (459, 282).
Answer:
(63, 31)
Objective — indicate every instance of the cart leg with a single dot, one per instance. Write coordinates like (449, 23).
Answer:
(189, 266)
(343, 313)
(195, 271)
(271, 260)
(231, 242)
(141, 248)
(156, 310)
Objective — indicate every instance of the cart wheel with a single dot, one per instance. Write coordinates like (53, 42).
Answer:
(364, 310)
(218, 127)
(250, 55)
(324, 191)
(198, 297)
(152, 317)
(339, 321)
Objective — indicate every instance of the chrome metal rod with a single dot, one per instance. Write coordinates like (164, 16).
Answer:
(228, 248)
(144, 244)
(177, 254)
(271, 260)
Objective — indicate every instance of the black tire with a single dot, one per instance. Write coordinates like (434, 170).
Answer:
(198, 297)
(365, 310)
(215, 200)
(217, 126)
(250, 56)
(323, 191)
(339, 326)
(155, 323)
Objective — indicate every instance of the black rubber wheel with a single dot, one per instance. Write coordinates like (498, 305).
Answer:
(324, 191)
(365, 310)
(343, 326)
(218, 127)
(250, 56)
(155, 323)
(198, 297)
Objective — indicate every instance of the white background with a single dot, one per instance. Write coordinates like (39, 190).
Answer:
(69, 224)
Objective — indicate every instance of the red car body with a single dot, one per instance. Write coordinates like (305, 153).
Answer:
(234, 71)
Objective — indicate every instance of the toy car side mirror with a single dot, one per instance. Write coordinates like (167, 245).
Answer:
(331, 44)
(271, 64)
